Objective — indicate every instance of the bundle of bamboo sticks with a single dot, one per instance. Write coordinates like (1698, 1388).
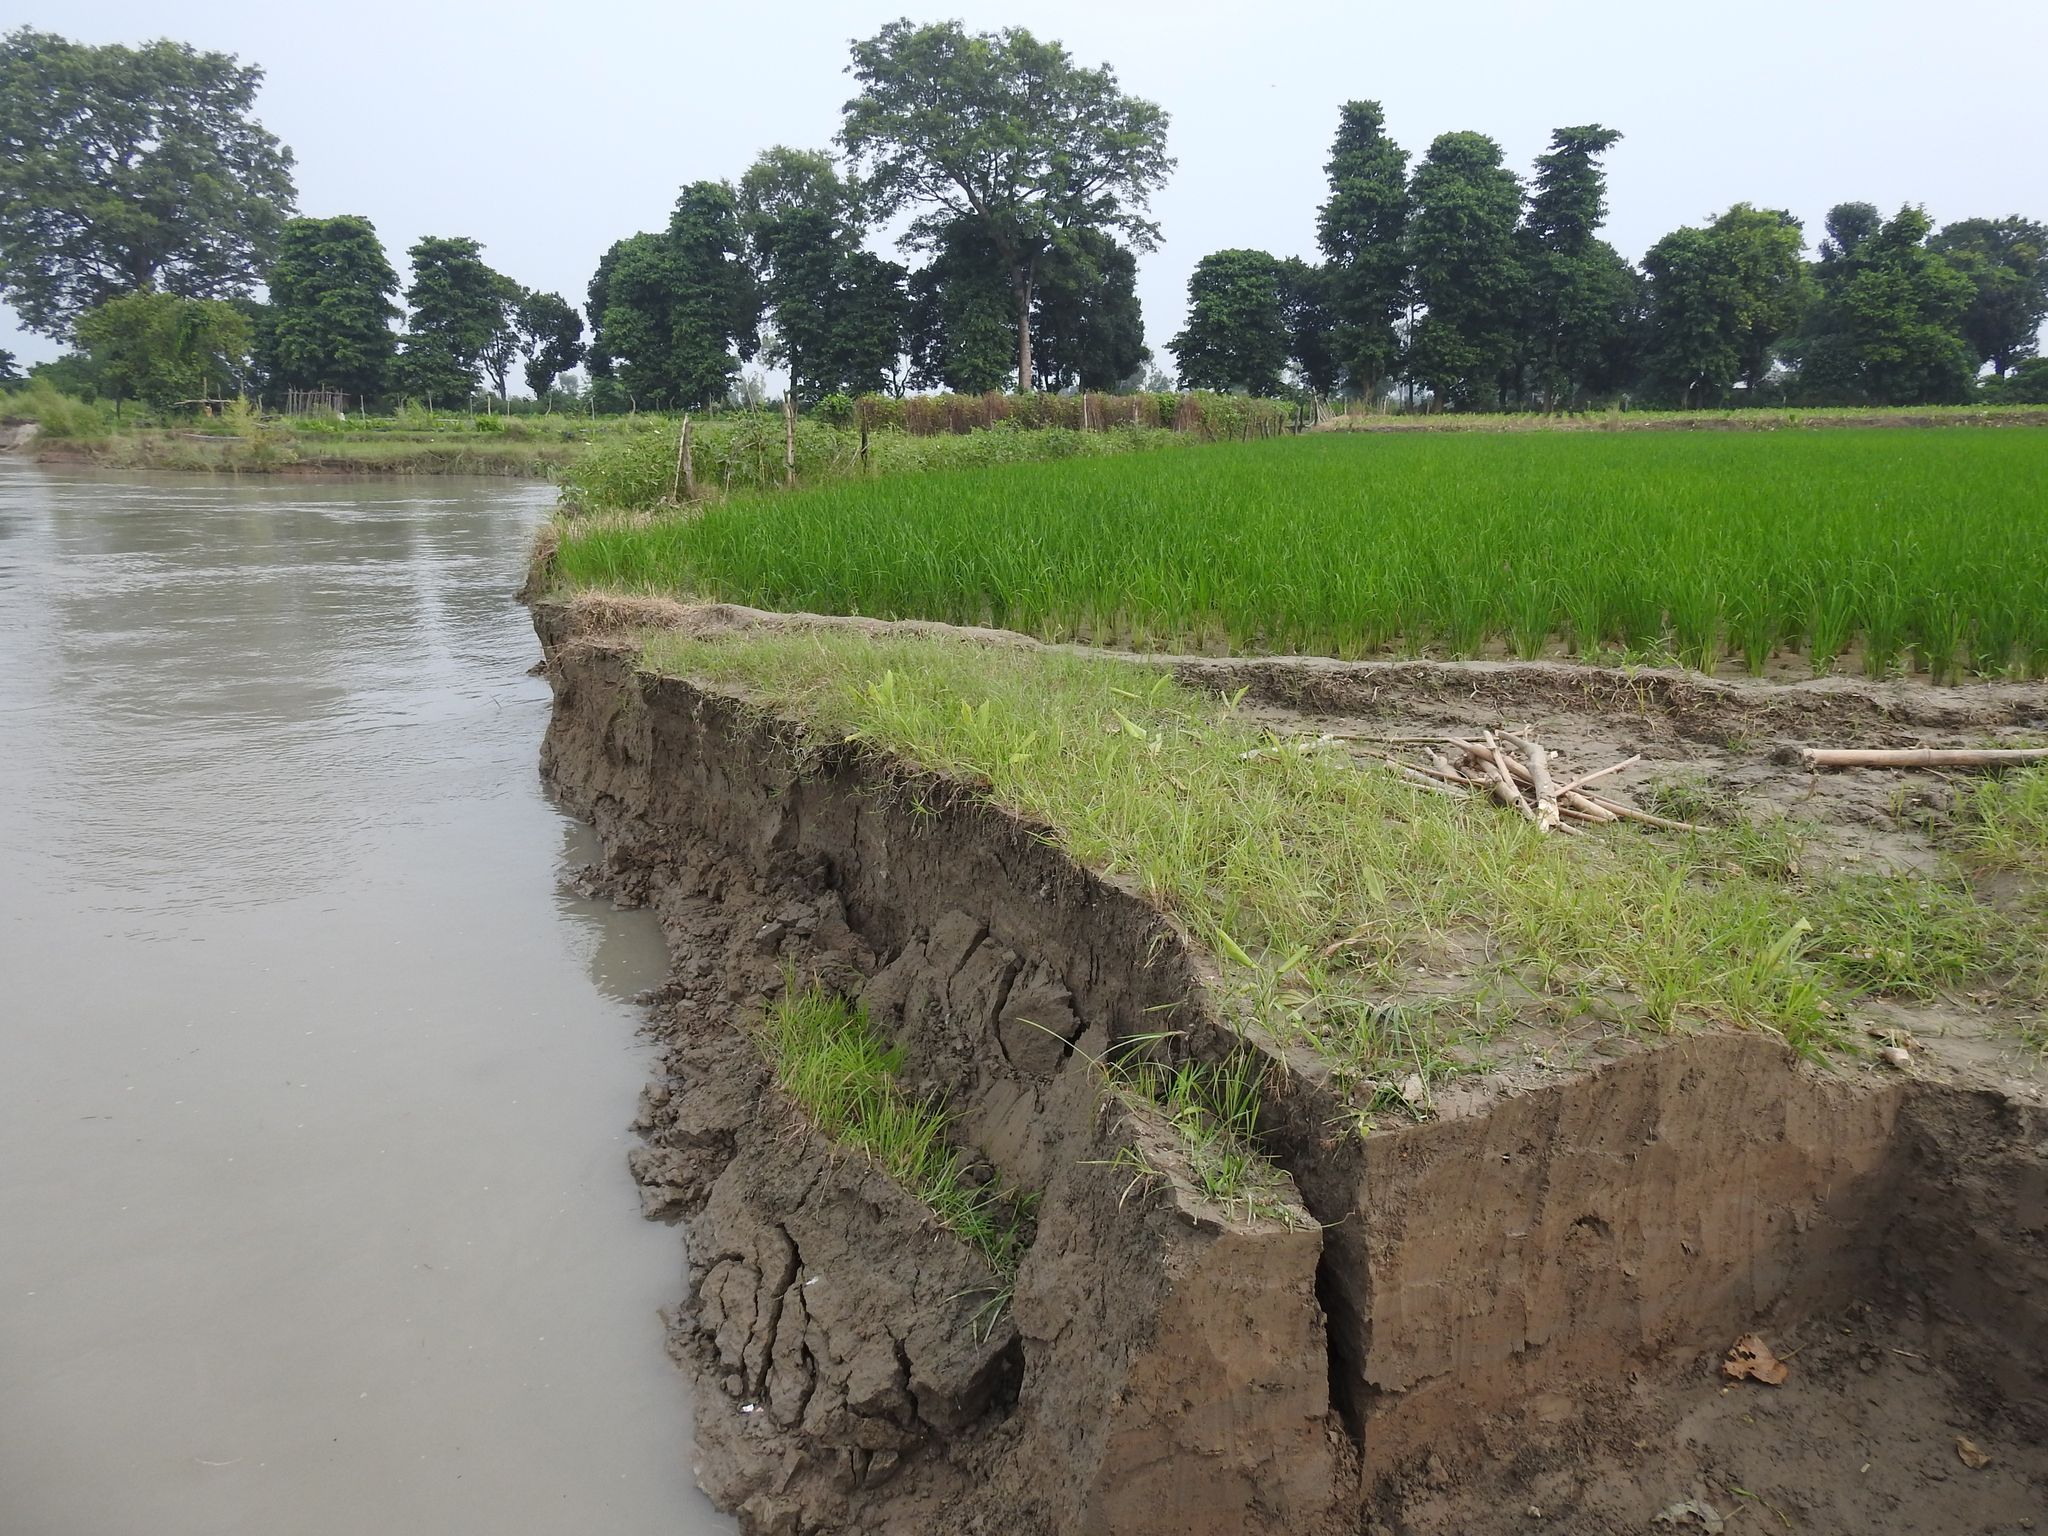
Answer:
(1519, 775)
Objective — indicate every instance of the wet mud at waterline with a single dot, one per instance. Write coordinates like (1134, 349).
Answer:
(1515, 1310)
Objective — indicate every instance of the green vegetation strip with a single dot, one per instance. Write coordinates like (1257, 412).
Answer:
(1328, 891)
(829, 1058)
(1922, 547)
(637, 468)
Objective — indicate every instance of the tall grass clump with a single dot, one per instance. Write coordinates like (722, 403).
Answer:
(829, 1058)
(1320, 886)
(62, 417)
(2004, 820)
(1881, 548)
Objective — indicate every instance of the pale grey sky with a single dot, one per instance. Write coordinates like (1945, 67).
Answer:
(549, 131)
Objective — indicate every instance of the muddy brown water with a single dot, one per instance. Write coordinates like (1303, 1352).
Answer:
(314, 1081)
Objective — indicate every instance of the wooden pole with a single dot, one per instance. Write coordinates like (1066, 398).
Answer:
(1920, 757)
(789, 437)
(686, 477)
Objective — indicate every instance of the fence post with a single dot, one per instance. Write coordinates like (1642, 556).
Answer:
(686, 472)
(789, 437)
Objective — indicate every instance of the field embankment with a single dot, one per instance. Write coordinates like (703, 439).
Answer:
(1367, 1156)
(1877, 551)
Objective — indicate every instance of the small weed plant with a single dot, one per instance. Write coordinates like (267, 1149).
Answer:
(829, 1058)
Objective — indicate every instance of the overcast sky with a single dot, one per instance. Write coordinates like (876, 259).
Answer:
(549, 131)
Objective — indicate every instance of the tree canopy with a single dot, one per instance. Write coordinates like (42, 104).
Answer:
(550, 335)
(456, 315)
(330, 312)
(671, 310)
(1236, 336)
(1465, 207)
(163, 349)
(1008, 134)
(2006, 261)
(129, 169)
(1885, 327)
(1360, 230)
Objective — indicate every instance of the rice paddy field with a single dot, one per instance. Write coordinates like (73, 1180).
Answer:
(1877, 549)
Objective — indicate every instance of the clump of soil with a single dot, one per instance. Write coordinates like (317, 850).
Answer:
(1510, 1315)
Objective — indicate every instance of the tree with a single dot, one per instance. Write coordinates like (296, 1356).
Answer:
(164, 349)
(1580, 302)
(1087, 328)
(1236, 336)
(2007, 262)
(10, 369)
(669, 310)
(1007, 133)
(128, 169)
(1886, 327)
(1465, 206)
(838, 310)
(1717, 302)
(1360, 231)
(551, 338)
(1305, 310)
(456, 306)
(330, 312)
(960, 333)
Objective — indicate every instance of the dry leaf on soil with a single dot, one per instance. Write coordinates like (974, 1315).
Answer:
(1749, 1356)
(1970, 1456)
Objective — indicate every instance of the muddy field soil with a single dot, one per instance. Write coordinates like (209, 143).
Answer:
(1513, 1315)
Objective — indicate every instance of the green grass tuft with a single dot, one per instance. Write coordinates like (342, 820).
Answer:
(833, 1063)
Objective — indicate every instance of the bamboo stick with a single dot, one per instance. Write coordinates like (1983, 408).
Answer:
(1920, 757)
(1504, 777)
(1541, 786)
(1586, 778)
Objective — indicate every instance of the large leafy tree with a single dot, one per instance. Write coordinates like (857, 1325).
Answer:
(328, 324)
(455, 316)
(1580, 299)
(550, 335)
(1087, 328)
(1886, 327)
(2006, 260)
(1236, 336)
(123, 169)
(1718, 300)
(1008, 134)
(1465, 208)
(1360, 229)
(670, 310)
(1305, 309)
(837, 309)
(961, 334)
(164, 349)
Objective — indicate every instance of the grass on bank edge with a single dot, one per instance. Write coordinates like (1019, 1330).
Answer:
(1391, 929)
(832, 1061)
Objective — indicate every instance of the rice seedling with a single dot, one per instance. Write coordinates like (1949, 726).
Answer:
(1921, 547)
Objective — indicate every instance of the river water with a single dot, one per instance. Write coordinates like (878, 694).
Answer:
(314, 1081)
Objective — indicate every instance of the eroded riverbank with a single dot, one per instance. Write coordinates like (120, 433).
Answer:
(1517, 1301)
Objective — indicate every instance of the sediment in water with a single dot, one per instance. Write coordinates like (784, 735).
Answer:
(1528, 1293)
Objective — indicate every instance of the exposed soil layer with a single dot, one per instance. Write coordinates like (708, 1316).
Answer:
(1513, 1312)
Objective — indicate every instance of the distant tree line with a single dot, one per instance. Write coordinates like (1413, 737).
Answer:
(1469, 288)
(142, 209)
